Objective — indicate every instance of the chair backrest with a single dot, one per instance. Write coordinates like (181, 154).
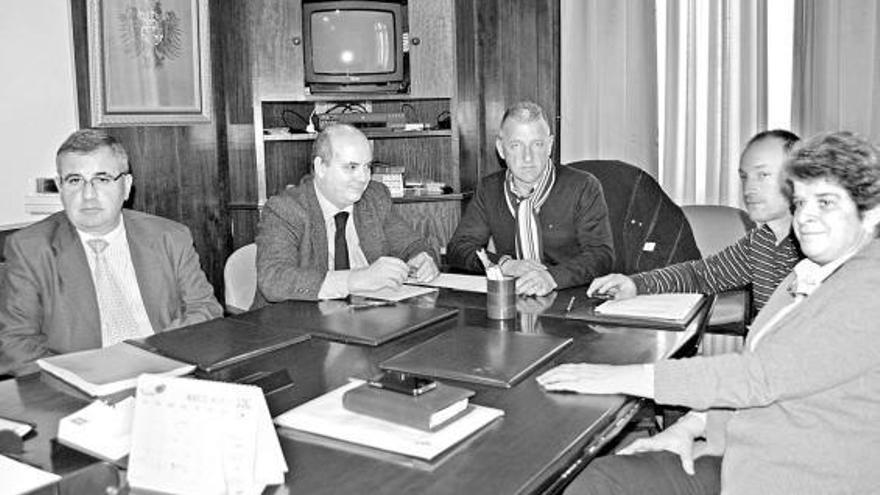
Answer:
(240, 278)
(716, 227)
(649, 229)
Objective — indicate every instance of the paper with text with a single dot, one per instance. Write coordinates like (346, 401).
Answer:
(202, 437)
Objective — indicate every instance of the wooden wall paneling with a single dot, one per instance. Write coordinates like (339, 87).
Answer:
(469, 104)
(179, 171)
(432, 60)
(507, 50)
(286, 163)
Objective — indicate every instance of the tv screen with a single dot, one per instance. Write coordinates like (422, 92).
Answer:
(354, 45)
(334, 51)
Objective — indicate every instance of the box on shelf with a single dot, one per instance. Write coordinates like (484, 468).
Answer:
(392, 177)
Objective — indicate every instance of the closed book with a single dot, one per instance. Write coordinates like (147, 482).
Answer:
(108, 370)
(427, 411)
(490, 357)
(218, 343)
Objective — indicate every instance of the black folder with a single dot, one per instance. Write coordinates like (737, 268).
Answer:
(218, 343)
(470, 354)
(350, 323)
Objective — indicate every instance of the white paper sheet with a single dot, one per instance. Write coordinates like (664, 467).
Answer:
(202, 437)
(326, 416)
(467, 283)
(17, 478)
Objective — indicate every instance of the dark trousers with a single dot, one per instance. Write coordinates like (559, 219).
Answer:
(651, 472)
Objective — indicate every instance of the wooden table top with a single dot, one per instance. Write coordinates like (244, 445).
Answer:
(540, 435)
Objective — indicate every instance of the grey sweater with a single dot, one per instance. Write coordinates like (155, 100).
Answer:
(800, 413)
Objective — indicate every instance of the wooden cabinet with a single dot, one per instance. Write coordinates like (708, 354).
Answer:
(431, 52)
(276, 35)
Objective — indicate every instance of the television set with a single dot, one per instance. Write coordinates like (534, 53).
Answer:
(354, 46)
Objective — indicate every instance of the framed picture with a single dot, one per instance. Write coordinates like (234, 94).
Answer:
(149, 62)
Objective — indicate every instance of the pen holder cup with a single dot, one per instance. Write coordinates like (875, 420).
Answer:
(501, 298)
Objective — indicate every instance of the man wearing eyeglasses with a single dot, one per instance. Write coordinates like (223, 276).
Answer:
(548, 222)
(335, 233)
(96, 274)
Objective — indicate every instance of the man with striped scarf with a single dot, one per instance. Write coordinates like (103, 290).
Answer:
(548, 222)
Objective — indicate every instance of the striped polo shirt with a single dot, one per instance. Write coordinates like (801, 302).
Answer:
(754, 261)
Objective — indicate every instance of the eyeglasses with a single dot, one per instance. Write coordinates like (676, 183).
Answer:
(75, 182)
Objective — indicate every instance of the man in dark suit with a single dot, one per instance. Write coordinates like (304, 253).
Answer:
(335, 233)
(95, 274)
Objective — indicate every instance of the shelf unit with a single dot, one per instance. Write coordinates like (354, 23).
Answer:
(284, 152)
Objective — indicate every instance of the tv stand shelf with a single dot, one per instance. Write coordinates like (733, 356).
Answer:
(284, 151)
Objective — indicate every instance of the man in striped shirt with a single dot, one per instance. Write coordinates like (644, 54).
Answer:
(760, 259)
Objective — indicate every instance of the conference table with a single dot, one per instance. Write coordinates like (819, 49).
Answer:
(542, 439)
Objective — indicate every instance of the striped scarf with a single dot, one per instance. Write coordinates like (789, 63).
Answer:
(525, 211)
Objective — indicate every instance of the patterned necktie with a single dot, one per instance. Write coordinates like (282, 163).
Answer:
(117, 321)
(340, 247)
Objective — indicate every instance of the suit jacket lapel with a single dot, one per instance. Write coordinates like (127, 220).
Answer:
(75, 283)
(144, 250)
(317, 230)
(366, 229)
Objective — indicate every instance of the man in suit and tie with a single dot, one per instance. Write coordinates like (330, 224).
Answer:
(335, 233)
(96, 274)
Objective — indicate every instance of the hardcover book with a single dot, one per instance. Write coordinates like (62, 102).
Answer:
(427, 411)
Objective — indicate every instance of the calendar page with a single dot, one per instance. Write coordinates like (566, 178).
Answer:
(201, 437)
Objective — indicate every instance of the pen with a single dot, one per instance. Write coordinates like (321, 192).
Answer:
(570, 304)
(371, 304)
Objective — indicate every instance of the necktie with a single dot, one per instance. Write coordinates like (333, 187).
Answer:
(117, 322)
(340, 248)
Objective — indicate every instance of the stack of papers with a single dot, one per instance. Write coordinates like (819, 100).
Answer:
(199, 436)
(108, 370)
(327, 417)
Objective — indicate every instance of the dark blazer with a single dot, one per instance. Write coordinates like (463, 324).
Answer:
(48, 304)
(292, 240)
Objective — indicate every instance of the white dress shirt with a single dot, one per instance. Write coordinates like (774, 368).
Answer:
(118, 258)
(335, 284)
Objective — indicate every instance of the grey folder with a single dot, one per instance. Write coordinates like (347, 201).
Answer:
(490, 357)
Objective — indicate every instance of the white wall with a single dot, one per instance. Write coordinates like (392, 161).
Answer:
(37, 97)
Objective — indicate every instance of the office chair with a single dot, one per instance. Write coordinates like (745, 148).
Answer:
(716, 227)
(240, 279)
(649, 229)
